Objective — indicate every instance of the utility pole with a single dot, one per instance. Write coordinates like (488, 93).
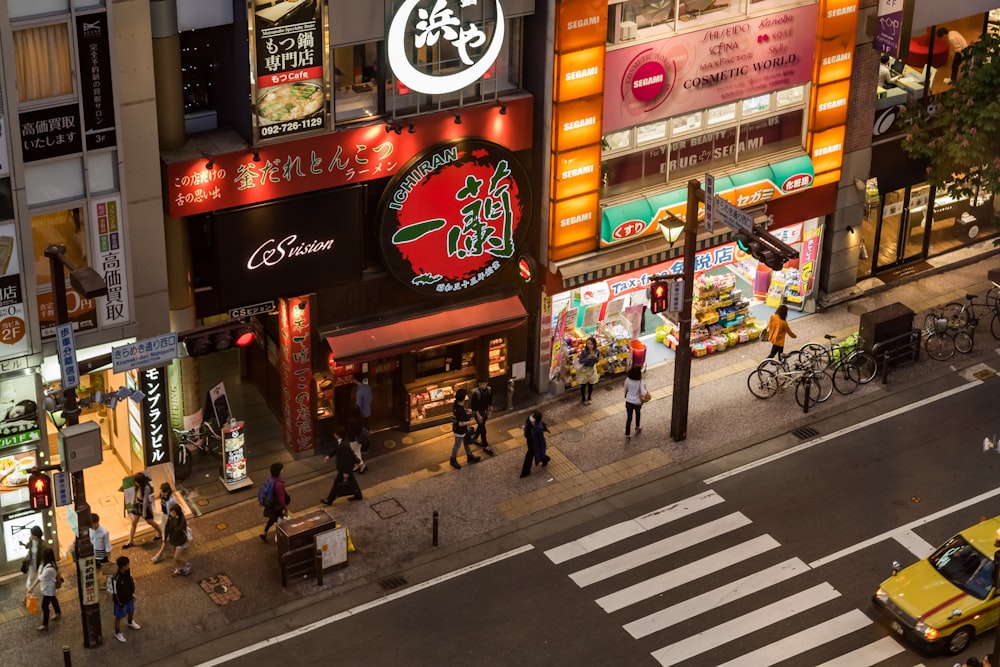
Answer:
(682, 361)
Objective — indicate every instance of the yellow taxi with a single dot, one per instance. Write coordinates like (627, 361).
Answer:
(942, 602)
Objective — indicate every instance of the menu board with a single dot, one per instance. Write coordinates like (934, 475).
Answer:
(17, 531)
(290, 89)
(234, 458)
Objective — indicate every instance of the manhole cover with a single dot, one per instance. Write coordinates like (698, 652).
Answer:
(392, 444)
(805, 433)
(386, 509)
(221, 526)
(202, 501)
(984, 374)
(220, 589)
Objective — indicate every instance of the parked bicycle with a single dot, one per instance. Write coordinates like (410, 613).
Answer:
(969, 318)
(772, 375)
(847, 363)
(198, 442)
(953, 327)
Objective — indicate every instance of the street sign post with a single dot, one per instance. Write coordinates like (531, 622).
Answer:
(675, 296)
(709, 203)
(66, 347)
(144, 353)
(731, 216)
(60, 489)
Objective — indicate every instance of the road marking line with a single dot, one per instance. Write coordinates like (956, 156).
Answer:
(625, 529)
(742, 626)
(664, 547)
(712, 600)
(898, 533)
(866, 656)
(841, 432)
(666, 581)
(915, 544)
(391, 597)
(792, 645)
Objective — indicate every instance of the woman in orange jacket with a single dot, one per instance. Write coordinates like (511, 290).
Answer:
(777, 327)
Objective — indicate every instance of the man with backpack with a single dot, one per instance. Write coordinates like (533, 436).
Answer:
(272, 496)
(481, 404)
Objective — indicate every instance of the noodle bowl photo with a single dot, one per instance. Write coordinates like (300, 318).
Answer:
(289, 101)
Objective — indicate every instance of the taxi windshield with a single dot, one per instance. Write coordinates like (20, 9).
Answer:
(963, 565)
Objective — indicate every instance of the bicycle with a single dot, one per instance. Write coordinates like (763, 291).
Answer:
(847, 363)
(968, 318)
(203, 439)
(772, 376)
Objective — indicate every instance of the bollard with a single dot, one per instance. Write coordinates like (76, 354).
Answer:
(318, 564)
(808, 383)
(67, 659)
(434, 529)
(510, 393)
(885, 368)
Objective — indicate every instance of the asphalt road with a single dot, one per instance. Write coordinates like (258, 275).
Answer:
(773, 563)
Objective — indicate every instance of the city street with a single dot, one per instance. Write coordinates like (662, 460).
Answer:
(727, 569)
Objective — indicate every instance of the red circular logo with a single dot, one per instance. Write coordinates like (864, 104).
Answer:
(648, 81)
(628, 229)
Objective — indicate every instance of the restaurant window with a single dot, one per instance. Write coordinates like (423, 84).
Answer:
(355, 76)
(44, 68)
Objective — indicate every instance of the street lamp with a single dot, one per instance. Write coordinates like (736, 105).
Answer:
(90, 285)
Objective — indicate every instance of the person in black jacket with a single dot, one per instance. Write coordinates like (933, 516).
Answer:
(460, 420)
(122, 588)
(345, 482)
(481, 404)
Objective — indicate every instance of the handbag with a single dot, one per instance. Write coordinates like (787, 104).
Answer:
(59, 581)
(764, 336)
(24, 566)
(189, 534)
(647, 397)
(31, 602)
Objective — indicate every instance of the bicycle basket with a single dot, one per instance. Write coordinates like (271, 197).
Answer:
(940, 324)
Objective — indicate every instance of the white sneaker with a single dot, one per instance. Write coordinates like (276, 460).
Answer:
(120, 637)
(133, 625)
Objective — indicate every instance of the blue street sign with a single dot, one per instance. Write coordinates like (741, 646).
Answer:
(709, 203)
(66, 351)
(61, 489)
(731, 216)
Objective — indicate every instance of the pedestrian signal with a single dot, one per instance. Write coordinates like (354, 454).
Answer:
(40, 491)
(659, 293)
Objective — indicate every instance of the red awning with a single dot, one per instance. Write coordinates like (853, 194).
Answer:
(397, 337)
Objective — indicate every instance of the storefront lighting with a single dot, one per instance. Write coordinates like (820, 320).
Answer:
(672, 228)
(256, 156)
(503, 109)
(210, 164)
(388, 128)
(850, 230)
(458, 119)
(413, 128)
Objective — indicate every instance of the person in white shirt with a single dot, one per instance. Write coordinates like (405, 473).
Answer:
(101, 539)
(635, 391)
(886, 78)
(957, 43)
(168, 500)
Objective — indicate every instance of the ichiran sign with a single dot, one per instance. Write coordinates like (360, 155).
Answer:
(425, 27)
(455, 216)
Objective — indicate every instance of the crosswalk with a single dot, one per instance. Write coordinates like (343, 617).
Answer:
(698, 584)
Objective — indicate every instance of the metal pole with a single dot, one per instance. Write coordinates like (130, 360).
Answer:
(682, 361)
(434, 529)
(90, 614)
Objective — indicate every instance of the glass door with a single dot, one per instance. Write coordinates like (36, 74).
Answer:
(901, 230)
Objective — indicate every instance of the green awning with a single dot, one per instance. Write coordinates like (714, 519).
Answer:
(625, 221)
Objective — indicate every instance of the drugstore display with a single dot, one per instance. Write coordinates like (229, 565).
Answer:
(721, 317)
(785, 287)
(613, 339)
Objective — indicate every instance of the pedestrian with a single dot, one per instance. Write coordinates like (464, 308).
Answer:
(533, 428)
(777, 327)
(101, 539)
(122, 588)
(344, 482)
(460, 420)
(972, 661)
(276, 505)
(48, 582)
(363, 397)
(355, 434)
(33, 560)
(168, 499)
(636, 394)
(957, 44)
(178, 535)
(142, 508)
(587, 375)
(481, 404)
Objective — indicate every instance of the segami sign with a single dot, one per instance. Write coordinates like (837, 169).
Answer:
(455, 216)
(709, 67)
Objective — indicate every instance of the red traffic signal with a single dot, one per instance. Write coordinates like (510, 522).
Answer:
(659, 291)
(217, 337)
(40, 491)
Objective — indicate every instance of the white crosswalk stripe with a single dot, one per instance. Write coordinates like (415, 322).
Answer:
(772, 597)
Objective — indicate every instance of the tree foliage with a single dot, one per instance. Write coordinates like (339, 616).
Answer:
(958, 131)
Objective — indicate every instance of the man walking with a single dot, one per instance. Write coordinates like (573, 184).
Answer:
(345, 482)
(363, 397)
(481, 404)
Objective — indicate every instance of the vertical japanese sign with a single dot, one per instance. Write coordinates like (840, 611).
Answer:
(155, 415)
(4, 160)
(296, 373)
(234, 456)
(289, 90)
(455, 216)
(108, 234)
(94, 54)
(892, 31)
(809, 255)
(13, 339)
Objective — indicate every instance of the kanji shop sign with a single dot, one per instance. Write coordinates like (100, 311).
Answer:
(455, 216)
(108, 234)
(155, 415)
(94, 54)
(332, 160)
(414, 27)
(296, 373)
(51, 132)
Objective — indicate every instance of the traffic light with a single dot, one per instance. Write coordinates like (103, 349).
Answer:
(659, 290)
(765, 247)
(40, 491)
(217, 337)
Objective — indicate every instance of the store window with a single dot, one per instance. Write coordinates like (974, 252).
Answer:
(356, 88)
(102, 172)
(67, 228)
(641, 19)
(19, 9)
(54, 180)
(44, 68)
(648, 155)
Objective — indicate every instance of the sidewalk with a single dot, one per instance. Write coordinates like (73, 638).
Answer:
(406, 484)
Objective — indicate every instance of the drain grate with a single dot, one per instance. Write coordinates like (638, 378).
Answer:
(391, 583)
(984, 374)
(805, 433)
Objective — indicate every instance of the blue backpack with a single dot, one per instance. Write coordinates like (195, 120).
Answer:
(266, 492)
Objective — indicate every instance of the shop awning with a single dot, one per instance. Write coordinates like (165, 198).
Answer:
(393, 337)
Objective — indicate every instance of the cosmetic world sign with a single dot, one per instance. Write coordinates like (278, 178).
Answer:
(455, 216)
(703, 69)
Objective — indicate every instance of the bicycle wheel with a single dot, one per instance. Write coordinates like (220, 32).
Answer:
(845, 377)
(866, 365)
(993, 299)
(995, 326)
(940, 346)
(814, 356)
(762, 383)
(824, 385)
(806, 388)
(964, 341)
(182, 462)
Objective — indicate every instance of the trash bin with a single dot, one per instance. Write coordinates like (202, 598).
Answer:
(888, 322)
(296, 543)
(638, 353)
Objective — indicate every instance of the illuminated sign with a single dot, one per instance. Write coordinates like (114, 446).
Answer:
(828, 149)
(579, 74)
(573, 226)
(709, 67)
(155, 415)
(829, 105)
(425, 27)
(578, 123)
(455, 216)
(295, 370)
(577, 171)
(581, 24)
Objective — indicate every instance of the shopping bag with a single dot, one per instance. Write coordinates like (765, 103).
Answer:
(31, 602)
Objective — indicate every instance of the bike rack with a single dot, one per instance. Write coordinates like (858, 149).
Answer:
(900, 349)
